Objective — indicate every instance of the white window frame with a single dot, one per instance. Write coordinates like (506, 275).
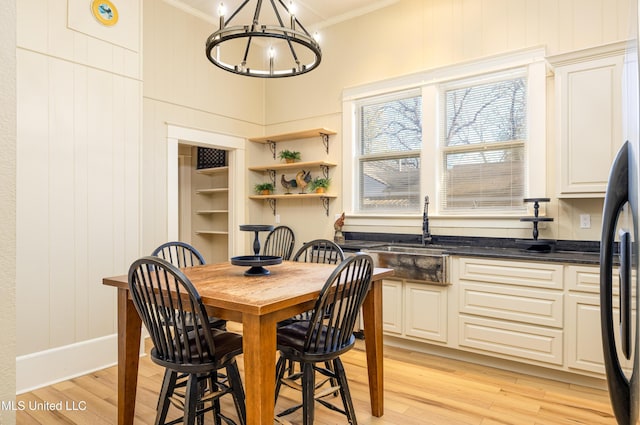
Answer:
(360, 158)
(491, 78)
(430, 83)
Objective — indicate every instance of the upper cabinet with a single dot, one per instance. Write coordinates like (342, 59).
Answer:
(588, 92)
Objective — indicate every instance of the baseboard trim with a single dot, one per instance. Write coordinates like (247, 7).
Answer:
(37, 370)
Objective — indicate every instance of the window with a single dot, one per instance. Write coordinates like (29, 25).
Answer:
(390, 142)
(472, 136)
(483, 145)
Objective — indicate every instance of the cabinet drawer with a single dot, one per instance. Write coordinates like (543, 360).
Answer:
(583, 278)
(533, 306)
(511, 339)
(520, 273)
(587, 279)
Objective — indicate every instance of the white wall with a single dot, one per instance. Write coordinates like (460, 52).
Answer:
(78, 130)
(7, 207)
(182, 88)
(417, 35)
(92, 180)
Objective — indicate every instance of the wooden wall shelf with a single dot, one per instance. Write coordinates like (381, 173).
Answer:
(211, 232)
(294, 196)
(216, 170)
(210, 191)
(296, 135)
(274, 168)
(212, 211)
(272, 199)
(293, 165)
(305, 134)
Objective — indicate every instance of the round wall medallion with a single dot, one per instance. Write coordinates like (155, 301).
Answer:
(105, 12)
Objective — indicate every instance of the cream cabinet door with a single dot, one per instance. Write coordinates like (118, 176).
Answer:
(589, 124)
(582, 324)
(392, 306)
(426, 311)
(584, 340)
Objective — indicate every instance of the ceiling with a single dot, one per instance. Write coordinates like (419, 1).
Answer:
(314, 14)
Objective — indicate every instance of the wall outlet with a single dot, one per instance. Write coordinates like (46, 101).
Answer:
(585, 221)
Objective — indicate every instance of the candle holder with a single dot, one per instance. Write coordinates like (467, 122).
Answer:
(535, 244)
(256, 262)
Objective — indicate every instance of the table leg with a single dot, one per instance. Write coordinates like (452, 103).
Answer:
(259, 345)
(129, 328)
(372, 315)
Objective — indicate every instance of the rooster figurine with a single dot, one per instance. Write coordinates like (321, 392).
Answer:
(302, 179)
(338, 237)
(288, 184)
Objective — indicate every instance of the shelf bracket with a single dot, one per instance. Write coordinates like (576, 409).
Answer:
(272, 204)
(325, 204)
(272, 147)
(272, 176)
(325, 141)
(325, 171)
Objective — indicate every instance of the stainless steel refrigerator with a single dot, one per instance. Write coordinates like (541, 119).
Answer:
(619, 256)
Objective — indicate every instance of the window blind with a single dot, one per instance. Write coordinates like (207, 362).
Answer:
(390, 141)
(484, 146)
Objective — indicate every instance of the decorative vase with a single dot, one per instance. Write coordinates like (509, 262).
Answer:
(265, 192)
(319, 189)
(289, 160)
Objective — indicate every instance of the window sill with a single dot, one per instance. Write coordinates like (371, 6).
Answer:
(413, 222)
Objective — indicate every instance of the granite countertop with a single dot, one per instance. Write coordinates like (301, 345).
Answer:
(577, 252)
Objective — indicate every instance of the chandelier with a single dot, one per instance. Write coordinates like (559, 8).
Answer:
(268, 49)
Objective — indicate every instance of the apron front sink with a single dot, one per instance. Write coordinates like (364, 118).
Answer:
(429, 264)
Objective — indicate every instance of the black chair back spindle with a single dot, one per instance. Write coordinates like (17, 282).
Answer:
(279, 242)
(180, 254)
(164, 298)
(320, 251)
(336, 311)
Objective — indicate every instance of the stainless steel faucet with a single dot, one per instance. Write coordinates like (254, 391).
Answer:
(426, 234)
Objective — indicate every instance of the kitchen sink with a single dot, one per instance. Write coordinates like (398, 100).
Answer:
(429, 264)
(410, 249)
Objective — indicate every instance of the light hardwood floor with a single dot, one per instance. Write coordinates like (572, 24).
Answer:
(420, 389)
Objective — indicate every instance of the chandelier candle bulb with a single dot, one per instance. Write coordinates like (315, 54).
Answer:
(292, 13)
(222, 10)
(272, 54)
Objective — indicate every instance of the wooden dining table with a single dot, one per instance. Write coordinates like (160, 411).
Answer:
(259, 303)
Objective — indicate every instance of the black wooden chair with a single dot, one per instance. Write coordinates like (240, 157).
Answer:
(192, 354)
(182, 254)
(280, 242)
(320, 251)
(315, 251)
(327, 335)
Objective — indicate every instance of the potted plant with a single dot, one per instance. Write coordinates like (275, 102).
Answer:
(289, 156)
(264, 188)
(320, 184)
